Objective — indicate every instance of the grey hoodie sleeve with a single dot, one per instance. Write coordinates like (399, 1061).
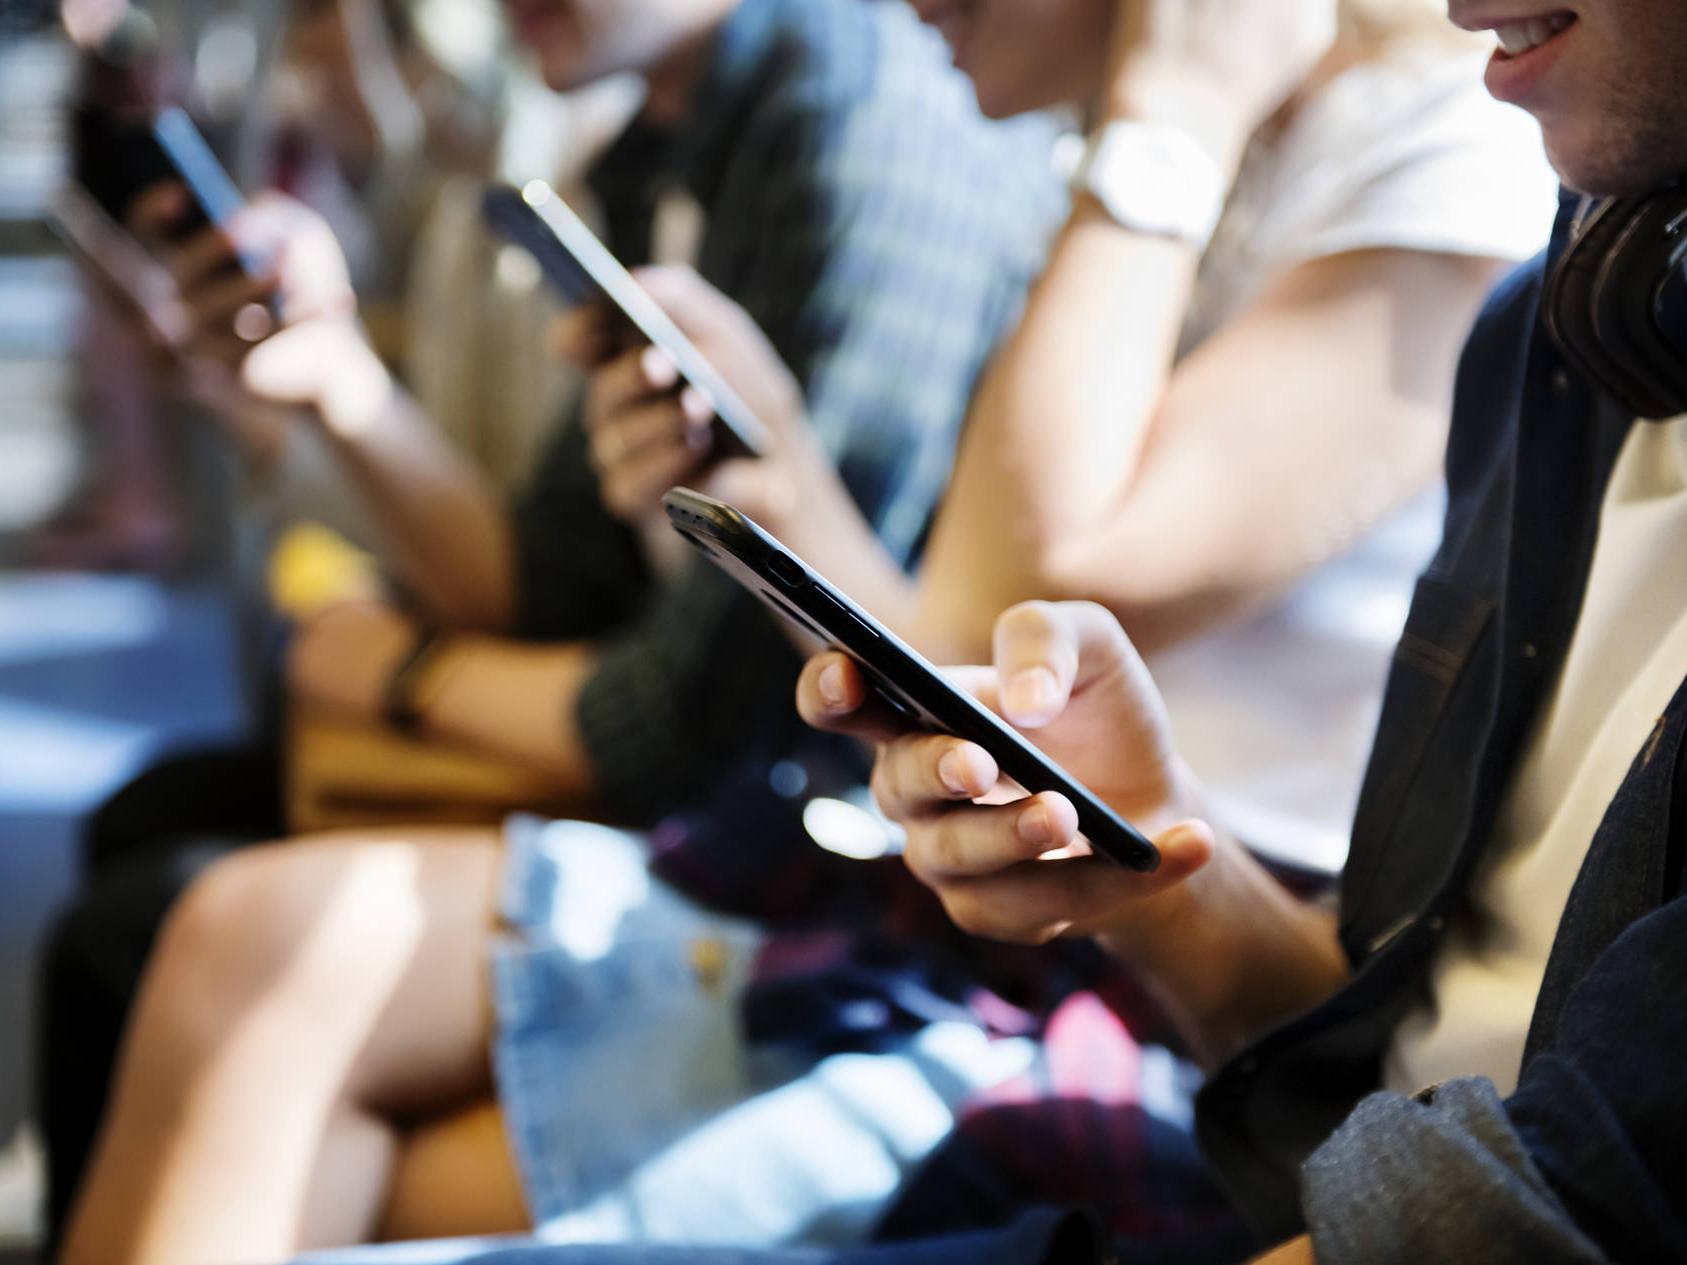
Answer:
(1438, 1177)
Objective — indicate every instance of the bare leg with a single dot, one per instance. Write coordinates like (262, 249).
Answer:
(310, 1005)
(455, 1177)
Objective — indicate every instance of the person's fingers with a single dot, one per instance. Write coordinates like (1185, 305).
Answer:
(698, 408)
(634, 487)
(660, 423)
(220, 305)
(921, 774)
(155, 211)
(690, 301)
(631, 376)
(196, 261)
(584, 336)
(618, 437)
(1037, 900)
(1046, 651)
(1032, 902)
(968, 841)
(833, 695)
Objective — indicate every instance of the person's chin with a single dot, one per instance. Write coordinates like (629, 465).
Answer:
(1593, 164)
(1003, 99)
(565, 74)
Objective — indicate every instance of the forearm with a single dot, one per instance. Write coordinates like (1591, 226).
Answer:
(513, 701)
(1231, 954)
(1294, 1252)
(1268, 457)
(1060, 421)
(443, 531)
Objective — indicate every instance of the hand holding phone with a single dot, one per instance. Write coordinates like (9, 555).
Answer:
(583, 270)
(904, 680)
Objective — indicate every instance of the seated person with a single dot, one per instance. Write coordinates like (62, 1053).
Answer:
(440, 993)
(1292, 376)
(1476, 1054)
(824, 140)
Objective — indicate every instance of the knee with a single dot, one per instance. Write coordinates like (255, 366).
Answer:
(235, 926)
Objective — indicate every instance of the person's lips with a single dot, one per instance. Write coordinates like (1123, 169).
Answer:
(1529, 44)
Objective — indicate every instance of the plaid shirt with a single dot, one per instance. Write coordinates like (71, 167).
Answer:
(882, 234)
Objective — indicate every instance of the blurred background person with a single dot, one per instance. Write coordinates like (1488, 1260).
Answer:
(825, 143)
(1282, 354)
(1380, 263)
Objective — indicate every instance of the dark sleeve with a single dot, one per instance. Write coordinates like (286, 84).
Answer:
(884, 286)
(1587, 1161)
(580, 572)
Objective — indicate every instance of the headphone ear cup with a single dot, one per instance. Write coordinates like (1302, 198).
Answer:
(1570, 301)
(1606, 299)
(1628, 299)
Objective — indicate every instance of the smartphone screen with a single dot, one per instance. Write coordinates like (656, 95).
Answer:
(898, 673)
(118, 159)
(583, 270)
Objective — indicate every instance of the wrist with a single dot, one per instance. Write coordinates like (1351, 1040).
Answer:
(356, 393)
(1154, 179)
(1184, 100)
(402, 697)
(1177, 944)
(1231, 953)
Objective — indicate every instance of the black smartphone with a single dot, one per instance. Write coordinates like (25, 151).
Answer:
(583, 270)
(904, 678)
(117, 159)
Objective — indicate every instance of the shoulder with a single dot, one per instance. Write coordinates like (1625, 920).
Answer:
(1407, 151)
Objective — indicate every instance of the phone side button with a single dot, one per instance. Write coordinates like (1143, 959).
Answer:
(788, 572)
(845, 615)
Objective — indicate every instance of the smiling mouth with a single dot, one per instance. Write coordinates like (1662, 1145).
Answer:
(1520, 38)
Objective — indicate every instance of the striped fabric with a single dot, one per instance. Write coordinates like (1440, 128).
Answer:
(883, 235)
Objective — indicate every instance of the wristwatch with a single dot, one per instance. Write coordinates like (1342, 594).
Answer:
(399, 707)
(1153, 178)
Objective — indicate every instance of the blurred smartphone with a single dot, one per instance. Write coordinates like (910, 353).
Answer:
(109, 252)
(118, 159)
(898, 673)
(583, 270)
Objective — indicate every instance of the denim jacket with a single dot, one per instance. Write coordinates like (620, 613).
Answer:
(1588, 1158)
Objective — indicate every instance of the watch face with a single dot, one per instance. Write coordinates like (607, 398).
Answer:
(1156, 180)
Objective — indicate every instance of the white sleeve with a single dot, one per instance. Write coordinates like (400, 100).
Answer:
(1413, 154)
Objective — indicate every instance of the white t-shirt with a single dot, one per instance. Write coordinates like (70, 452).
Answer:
(1277, 711)
(1626, 660)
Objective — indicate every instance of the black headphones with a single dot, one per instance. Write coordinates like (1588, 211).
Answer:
(1616, 301)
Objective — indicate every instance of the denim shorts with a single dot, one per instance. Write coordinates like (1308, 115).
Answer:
(635, 1108)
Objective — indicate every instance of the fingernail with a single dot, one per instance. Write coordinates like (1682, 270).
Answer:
(1033, 692)
(832, 687)
(1034, 826)
(952, 771)
(659, 371)
(1184, 836)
